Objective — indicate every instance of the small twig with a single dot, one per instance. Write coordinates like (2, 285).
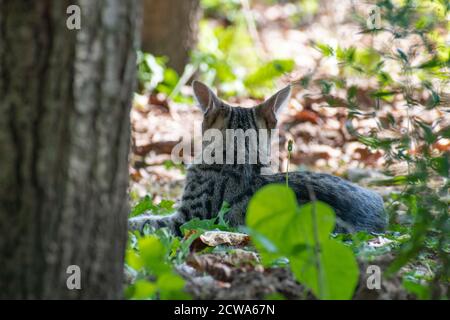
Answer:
(288, 161)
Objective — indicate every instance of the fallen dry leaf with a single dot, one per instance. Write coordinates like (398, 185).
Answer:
(307, 116)
(379, 242)
(225, 266)
(211, 264)
(215, 238)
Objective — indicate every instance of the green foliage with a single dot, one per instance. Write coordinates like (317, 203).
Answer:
(148, 258)
(230, 57)
(227, 56)
(280, 228)
(421, 291)
(423, 70)
(221, 8)
(146, 205)
(153, 73)
(169, 164)
(155, 76)
(264, 75)
(201, 225)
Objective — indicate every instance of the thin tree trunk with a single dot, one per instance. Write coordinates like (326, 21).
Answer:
(64, 139)
(170, 29)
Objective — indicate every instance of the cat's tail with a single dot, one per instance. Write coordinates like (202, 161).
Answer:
(172, 222)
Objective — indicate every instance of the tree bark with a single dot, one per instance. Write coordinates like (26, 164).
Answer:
(65, 97)
(170, 29)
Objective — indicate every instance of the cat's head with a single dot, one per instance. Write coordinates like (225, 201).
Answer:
(220, 117)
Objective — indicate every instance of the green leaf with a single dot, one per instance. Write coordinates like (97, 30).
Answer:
(325, 86)
(317, 265)
(422, 292)
(272, 212)
(402, 55)
(279, 228)
(382, 94)
(198, 224)
(346, 56)
(134, 260)
(431, 64)
(209, 224)
(170, 282)
(441, 165)
(144, 289)
(399, 180)
(223, 211)
(153, 254)
(165, 206)
(324, 220)
(264, 76)
(325, 49)
(445, 133)
(384, 78)
(333, 276)
(142, 206)
(171, 77)
(429, 136)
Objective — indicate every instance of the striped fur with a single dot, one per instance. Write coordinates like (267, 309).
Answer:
(208, 186)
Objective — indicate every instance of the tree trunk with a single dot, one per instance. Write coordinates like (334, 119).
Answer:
(170, 29)
(64, 138)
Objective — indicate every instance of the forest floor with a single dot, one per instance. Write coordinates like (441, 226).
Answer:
(322, 144)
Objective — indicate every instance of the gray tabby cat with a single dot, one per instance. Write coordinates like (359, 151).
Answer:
(209, 185)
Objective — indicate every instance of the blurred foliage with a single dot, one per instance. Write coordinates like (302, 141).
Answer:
(229, 56)
(146, 204)
(423, 71)
(152, 255)
(147, 259)
(155, 77)
(153, 74)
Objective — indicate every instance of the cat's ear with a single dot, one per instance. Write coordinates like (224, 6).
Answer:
(214, 111)
(269, 109)
(206, 98)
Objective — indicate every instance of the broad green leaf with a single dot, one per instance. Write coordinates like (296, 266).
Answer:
(170, 282)
(325, 265)
(134, 260)
(333, 276)
(144, 289)
(272, 212)
(302, 234)
(324, 221)
(153, 254)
